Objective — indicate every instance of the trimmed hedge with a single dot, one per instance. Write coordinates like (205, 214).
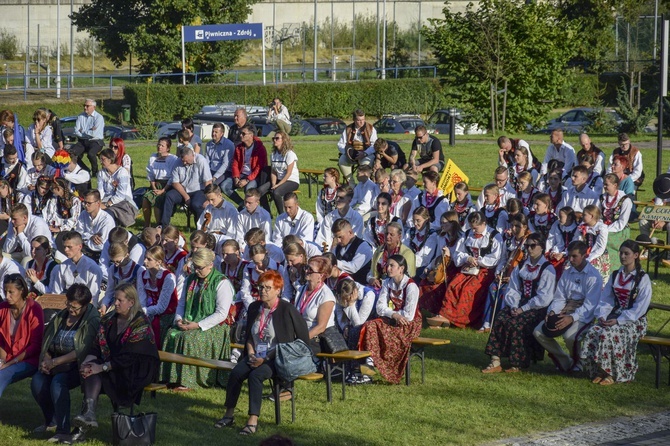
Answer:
(168, 102)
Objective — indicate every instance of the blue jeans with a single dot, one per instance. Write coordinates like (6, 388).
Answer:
(491, 299)
(15, 373)
(228, 188)
(52, 393)
(174, 198)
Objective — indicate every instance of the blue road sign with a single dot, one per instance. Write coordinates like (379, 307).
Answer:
(235, 31)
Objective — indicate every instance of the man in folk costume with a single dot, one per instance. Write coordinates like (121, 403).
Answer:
(588, 148)
(356, 145)
(352, 252)
(343, 209)
(572, 308)
(635, 168)
(13, 171)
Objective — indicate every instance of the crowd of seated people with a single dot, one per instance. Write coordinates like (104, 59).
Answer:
(543, 253)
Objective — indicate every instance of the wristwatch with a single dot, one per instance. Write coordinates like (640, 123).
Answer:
(105, 367)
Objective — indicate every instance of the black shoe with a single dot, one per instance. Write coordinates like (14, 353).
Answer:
(77, 436)
(87, 417)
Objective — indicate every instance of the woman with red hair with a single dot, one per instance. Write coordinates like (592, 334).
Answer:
(270, 321)
(619, 166)
(122, 158)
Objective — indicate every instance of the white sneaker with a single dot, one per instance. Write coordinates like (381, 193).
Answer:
(369, 362)
(235, 355)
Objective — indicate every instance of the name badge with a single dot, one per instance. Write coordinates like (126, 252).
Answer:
(262, 349)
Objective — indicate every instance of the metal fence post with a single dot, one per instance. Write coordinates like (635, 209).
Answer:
(111, 85)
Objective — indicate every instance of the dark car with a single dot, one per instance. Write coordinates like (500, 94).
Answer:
(439, 122)
(111, 131)
(398, 123)
(263, 126)
(318, 126)
(577, 120)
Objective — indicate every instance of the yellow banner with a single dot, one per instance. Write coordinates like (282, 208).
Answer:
(451, 175)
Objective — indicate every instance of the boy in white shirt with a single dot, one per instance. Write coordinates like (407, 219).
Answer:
(365, 192)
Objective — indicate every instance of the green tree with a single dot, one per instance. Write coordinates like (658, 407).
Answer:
(525, 44)
(150, 30)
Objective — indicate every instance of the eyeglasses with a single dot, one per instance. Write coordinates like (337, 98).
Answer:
(263, 288)
(341, 198)
(90, 202)
(531, 245)
(311, 271)
(276, 138)
(88, 105)
(201, 268)
(73, 308)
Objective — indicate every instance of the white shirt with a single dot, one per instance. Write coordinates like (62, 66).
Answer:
(224, 297)
(161, 169)
(365, 194)
(342, 143)
(302, 226)
(424, 249)
(476, 244)
(8, 266)
(325, 233)
(85, 271)
(21, 242)
(169, 286)
(117, 276)
(436, 209)
(625, 282)
(624, 213)
(506, 193)
(578, 200)
(115, 187)
(565, 154)
(88, 227)
(250, 277)
(194, 176)
(223, 224)
(357, 314)
(584, 285)
(46, 137)
(310, 308)
(280, 164)
(259, 219)
(545, 288)
(600, 245)
(361, 258)
(136, 254)
(556, 240)
(77, 176)
(503, 218)
(594, 182)
(411, 298)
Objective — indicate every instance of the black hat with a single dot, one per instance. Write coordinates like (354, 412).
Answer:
(549, 328)
(662, 186)
(643, 239)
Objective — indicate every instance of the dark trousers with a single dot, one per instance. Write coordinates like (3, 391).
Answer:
(277, 194)
(52, 393)
(174, 199)
(242, 372)
(91, 147)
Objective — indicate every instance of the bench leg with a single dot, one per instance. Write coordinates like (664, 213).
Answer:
(276, 390)
(310, 177)
(293, 402)
(329, 382)
(658, 358)
(408, 370)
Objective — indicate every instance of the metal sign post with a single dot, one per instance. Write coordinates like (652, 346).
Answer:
(211, 33)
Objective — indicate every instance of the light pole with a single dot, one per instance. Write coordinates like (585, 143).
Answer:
(315, 43)
(58, 49)
(384, 42)
(71, 46)
(6, 77)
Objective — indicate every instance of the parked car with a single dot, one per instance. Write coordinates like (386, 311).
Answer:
(263, 126)
(203, 130)
(401, 123)
(577, 120)
(318, 126)
(111, 131)
(440, 122)
(228, 109)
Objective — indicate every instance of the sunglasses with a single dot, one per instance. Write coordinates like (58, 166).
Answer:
(276, 138)
(311, 271)
(114, 147)
(531, 245)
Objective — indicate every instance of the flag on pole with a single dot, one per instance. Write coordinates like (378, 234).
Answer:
(451, 175)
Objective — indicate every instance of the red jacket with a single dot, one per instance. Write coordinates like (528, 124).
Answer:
(258, 162)
(28, 335)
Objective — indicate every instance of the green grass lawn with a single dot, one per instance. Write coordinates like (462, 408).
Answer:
(456, 405)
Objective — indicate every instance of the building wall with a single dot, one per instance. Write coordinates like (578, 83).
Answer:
(278, 13)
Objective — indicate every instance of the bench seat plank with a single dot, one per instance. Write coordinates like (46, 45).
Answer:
(198, 362)
(347, 355)
(655, 340)
(430, 341)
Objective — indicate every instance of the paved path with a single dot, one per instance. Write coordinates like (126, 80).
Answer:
(645, 430)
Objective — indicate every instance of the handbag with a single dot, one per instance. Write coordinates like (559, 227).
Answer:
(333, 340)
(293, 359)
(134, 430)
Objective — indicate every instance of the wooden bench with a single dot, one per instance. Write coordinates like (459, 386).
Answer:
(338, 362)
(52, 301)
(656, 343)
(311, 176)
(417, 349)
(658, 251)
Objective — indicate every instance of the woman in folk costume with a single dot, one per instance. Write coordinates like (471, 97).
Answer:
(608, 352)
(389, 337)
(433, 286)
(541, 218)
(375, 228)
(594, 233)
(562, 232)
(421, 239)
(463, 204)
(200, 329)
(477, 254)
(530, 291)
(170, 237)
(616, 207)
(401, 204)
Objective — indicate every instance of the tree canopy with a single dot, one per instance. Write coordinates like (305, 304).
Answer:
(150, 30)
(526, 44)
